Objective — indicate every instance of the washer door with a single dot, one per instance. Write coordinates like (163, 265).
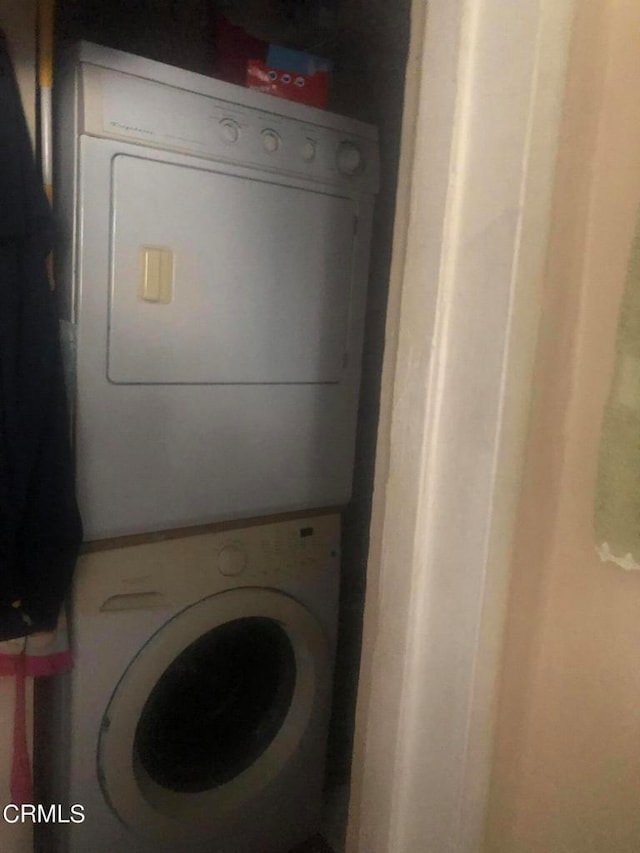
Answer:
(210, 711)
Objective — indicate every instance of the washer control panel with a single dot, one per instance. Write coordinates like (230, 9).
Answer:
(157, 576)
(279, 550)
(123, 106)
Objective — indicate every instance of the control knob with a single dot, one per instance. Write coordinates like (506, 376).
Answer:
(349, 158)
(270, 140)
(229, 130)
(232, 560)
(309, 151)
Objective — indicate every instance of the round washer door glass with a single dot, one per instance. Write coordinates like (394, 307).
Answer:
(217, 706)
(211, 709)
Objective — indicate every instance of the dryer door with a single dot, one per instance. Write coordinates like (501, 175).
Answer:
(222, 278)
(211, 711)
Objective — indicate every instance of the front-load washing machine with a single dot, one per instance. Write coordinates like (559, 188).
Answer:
(195, 718)
(212, 261)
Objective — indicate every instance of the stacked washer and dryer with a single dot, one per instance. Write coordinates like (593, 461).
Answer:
(212, 273)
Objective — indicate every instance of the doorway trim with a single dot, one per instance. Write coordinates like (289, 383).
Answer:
(483, 100)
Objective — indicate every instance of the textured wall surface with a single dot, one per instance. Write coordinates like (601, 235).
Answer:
(617, 504)
(567, 765)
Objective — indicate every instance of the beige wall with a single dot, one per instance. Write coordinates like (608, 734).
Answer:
(17, 19)
(567, 763)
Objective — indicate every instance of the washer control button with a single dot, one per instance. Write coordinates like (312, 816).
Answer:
(232, 560)
(270, 140)
(349, 158)
(229, 130)
(309, 151)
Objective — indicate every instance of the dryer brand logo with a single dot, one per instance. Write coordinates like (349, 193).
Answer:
(54, 813)
(131, 128)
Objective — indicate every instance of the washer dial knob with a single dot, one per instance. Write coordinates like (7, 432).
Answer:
(232, 560)
(349, 158)
(270, 140)
(229, 130)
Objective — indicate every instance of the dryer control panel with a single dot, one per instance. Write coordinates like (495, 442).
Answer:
(123, 106)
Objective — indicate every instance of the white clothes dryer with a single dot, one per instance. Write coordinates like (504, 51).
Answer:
(195, 718)
(213, 262)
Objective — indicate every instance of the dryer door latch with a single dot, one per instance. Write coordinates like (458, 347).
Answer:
(156, 274)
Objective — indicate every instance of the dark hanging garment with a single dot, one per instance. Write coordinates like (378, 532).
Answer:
(40, 529)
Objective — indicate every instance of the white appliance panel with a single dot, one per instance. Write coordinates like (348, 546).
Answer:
(261, 278)
(157, 456)
(223, 382)
(125, 598)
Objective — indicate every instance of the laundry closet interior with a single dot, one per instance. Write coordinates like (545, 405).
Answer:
(288, 490)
